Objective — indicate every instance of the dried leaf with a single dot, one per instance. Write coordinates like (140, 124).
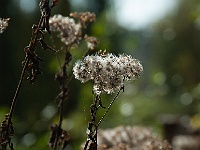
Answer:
(5, 134)
(59, 137)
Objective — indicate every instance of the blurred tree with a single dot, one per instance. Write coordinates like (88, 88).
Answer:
(177, 52)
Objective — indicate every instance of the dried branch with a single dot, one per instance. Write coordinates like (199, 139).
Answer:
(31, 65)
(70, 33)
(56, 138)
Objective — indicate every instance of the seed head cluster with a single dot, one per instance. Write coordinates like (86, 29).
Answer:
(70, 32)
(107, 72)
(131, 138)
(84, 17)
(70, 28)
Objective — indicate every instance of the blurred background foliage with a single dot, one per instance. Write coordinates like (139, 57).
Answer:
(168, 88)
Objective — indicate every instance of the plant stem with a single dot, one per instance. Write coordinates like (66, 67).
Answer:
(62, 81)
(108, 108)
(59, 124)
(26, 62)
(17, 92)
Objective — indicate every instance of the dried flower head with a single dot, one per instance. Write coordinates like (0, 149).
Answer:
(70, 32)
(84, 17)
(3, 24)
(107, 71)
(92, 42)
(131, 138)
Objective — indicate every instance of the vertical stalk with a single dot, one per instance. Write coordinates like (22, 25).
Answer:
(27, 59)
(61, 77)
(17, 93)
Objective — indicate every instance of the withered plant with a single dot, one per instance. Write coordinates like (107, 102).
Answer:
(31, 65)
(107, 71)
(69, 31)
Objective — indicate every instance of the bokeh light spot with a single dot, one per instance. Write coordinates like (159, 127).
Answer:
(48, 112)
(186, 99)
(159, 78)
(28, 139)
(126, 109)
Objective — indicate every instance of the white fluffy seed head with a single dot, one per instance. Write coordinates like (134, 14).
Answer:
(108, 72)
(70, 32)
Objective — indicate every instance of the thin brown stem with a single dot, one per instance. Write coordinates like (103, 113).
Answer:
(60, 122)
(31, 46)
(59, 125)
(17, 92)
(62, 81)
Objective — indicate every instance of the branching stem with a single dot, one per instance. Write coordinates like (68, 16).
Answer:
(26, 62)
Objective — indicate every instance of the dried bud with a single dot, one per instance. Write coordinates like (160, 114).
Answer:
(91, 42)
(55, 2)
(84, 18)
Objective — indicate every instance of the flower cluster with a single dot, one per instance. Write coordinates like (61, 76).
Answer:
(84, 17)
(107, 71)
(92, 42)
(131, 138)
(70, 32)
(3, 24)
